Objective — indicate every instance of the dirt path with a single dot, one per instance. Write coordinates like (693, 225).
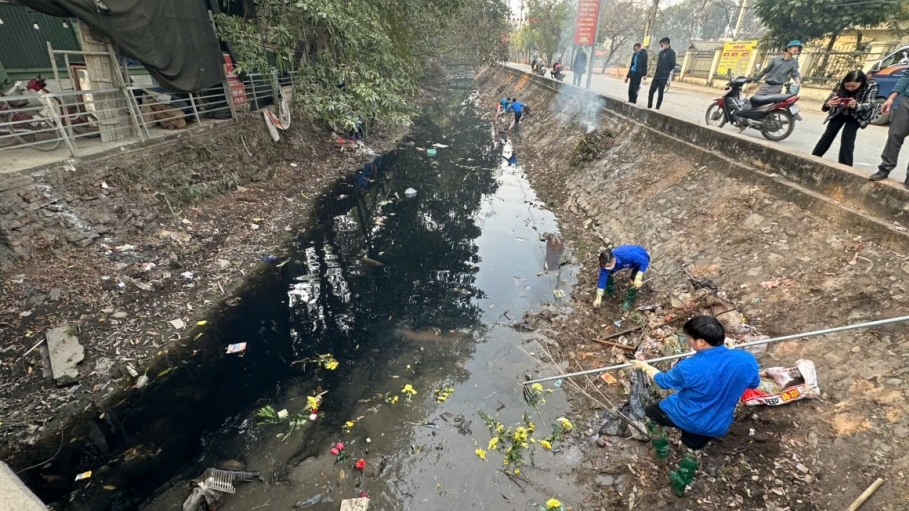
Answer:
(820, 454)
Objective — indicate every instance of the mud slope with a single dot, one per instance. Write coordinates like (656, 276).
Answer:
(740, 226)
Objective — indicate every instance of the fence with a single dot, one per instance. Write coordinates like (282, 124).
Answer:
(699, 63)
(48, 121)
(823, 69)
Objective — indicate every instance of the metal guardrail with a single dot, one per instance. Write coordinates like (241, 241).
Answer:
(49, 121)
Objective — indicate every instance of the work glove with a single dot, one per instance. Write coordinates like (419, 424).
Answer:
(648, 369)
(638, 280)
(599, 299)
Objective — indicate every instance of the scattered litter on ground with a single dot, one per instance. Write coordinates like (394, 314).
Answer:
(83, 476)
(270, 259)
(179, 324)
(410, 192)
(65, 353)
(782, 385)
(142, 381)
(239, 347)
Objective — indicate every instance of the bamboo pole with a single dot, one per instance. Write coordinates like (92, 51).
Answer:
(746, 345)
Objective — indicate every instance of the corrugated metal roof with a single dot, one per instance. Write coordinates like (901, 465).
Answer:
(23, 46)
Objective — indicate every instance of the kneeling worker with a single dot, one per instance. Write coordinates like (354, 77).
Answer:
(708, 387)
(617, 259)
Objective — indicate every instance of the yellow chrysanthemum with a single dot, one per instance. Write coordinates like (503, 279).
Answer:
(349, 425)
(566, 424)
(330, 364)
(481, 453)
(537, 387)
(408, 389)
(500, 428)
(493, 444)
(312, 402)
(524, 445)
(546, 445)
(517, 471)
(520, 434)
(533, 440)
(553, 504)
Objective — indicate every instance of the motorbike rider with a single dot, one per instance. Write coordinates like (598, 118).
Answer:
(534, 63)
(557, 70)
(780, 69)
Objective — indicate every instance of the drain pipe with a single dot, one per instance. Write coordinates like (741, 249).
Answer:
(746, 345)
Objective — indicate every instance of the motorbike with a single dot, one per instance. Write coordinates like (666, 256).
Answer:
(774, 115)
(540, 69)
(557, 73)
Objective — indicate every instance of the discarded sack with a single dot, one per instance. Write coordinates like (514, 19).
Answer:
(782, 385)
(628, 419)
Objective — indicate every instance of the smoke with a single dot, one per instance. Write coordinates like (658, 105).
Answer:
(577, 105)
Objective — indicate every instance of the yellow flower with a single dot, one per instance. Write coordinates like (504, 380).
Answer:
(517, 471)
(546, 445)
(505, 462)
(566, 424)
(531, 427)
(524, 445)
(537, 387)
(520, 434)
(493, 444)
(553, 504)
(349, 425)
(312, 402)
(408, 389)
(533, 440)
(331, 364)
(500, 428)
(481, 453)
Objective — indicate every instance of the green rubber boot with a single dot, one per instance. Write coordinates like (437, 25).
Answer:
(683, 477)
(629, 298)
(610, 286)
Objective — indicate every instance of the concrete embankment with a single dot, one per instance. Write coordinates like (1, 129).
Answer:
(795, 243)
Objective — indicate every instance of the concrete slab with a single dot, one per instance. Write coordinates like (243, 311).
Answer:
(14, 495)
(65, 353)
(355, 504)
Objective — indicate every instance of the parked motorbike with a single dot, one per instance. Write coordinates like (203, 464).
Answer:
(81, 122)
(774, 115)
(540, 69)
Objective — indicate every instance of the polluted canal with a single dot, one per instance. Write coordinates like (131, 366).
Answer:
(391, 316)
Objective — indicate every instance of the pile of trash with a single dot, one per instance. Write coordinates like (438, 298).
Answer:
(212, 486)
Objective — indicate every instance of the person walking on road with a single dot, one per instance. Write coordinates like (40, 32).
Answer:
(899, 128)
(579, 67)
(664, 68)
(636, 72)
(707, 386)
(631, 257)
(849, 107)
(779, 70)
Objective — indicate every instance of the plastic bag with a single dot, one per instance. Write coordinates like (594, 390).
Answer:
(782, 385)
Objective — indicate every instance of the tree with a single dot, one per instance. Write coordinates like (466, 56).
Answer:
(620, 20)
(363, 58)
(705, 20)
(816, 19)
(546, 28)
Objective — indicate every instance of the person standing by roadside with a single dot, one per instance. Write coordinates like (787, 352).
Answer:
(849, 107)
(664, 68)
(579, 67)
(779, 70)
(899, 128)
(636, 72)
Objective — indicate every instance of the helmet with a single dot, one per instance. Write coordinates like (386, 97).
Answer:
(794, 42)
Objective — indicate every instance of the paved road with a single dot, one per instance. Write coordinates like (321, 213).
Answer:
(691, 103)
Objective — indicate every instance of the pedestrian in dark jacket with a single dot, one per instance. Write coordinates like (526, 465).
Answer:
(849, 107)
(665, 67)
(637, 70)
(579, 67)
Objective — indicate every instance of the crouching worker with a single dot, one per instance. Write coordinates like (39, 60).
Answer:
(620, 258)
(708, 387)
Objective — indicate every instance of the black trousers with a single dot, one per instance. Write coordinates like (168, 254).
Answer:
(657, 84)
(692, 441)
(847, 143)
(634, 85)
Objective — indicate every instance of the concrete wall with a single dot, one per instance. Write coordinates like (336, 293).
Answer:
(124, 192)
(841, 187)
(14, 496)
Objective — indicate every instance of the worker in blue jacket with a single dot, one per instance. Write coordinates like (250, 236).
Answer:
(518, 108)
(707, 386)
(631, 257)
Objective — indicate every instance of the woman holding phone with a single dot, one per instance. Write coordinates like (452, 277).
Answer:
(849, 107)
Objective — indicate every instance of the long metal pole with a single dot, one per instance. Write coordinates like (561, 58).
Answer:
(746, 345)
(593, 49)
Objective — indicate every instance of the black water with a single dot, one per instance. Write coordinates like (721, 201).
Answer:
(473, 215)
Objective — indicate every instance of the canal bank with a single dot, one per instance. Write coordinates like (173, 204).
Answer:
(405, 289)
(790, 244)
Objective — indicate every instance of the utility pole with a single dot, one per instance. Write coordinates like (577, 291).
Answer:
(593, 49)
(738, 24)
(651, 24)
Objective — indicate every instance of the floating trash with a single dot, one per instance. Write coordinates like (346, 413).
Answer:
(410, 192)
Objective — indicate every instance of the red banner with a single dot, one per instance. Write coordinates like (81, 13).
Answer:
(585, 29)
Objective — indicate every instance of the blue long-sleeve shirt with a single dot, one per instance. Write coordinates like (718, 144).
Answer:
(626, 256)
(515, 107)
(709, 386)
